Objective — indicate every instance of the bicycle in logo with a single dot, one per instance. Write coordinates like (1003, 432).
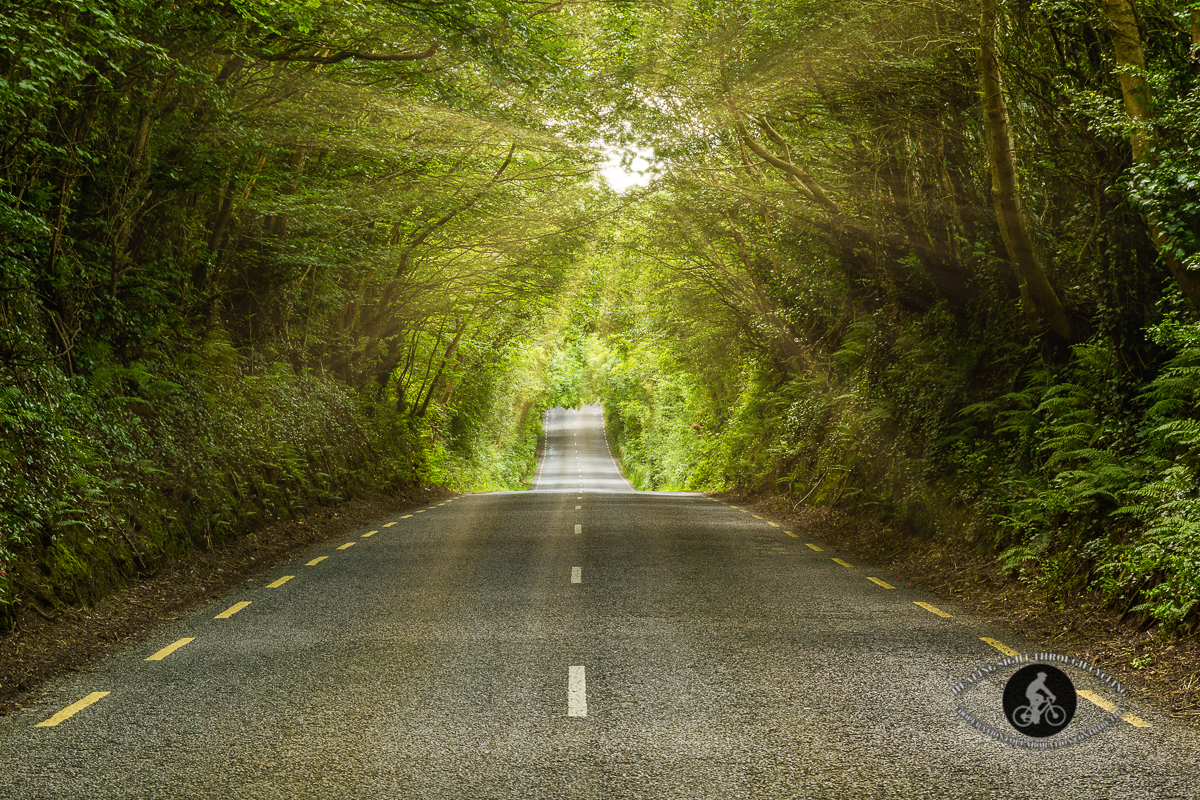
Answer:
(1024, 716)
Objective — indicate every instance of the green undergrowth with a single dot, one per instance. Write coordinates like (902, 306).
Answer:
(487, 434)
(1078, 471)
(106, 476)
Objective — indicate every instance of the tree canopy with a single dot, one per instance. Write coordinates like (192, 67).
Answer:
(934, 259)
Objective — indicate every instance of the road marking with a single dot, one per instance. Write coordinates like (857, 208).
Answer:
(346, 546)
(316, 561)
(789, 533)
(756, 516)
(1091, 696)
(171, 648)
(576, 574)
(839, 561)
(579, 498)
(931, 609)
(576, 692)
(578, 528)
(772, 524)
(744, 511)
(233, 609)
(881, 583)
(368, 534)
(1001, 646)
(280, 582)
(75, 708)
(1137, 722)
(421, 511)
(578, 507)
(813, 546)
(406, 516)
(386, 525)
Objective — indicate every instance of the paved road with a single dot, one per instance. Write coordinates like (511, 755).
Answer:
(577, 641)
(576, 454)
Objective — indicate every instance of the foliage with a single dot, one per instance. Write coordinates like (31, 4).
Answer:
(261, 254)
(824, 299)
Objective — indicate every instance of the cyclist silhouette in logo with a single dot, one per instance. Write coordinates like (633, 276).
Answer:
(1039, 696)
(1041, 701)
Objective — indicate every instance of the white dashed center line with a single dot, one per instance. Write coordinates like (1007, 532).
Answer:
(577, 692)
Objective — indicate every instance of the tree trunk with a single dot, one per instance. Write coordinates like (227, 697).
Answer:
(1195, 32)
(461, 326)
(1006, 196)
(1127, 44)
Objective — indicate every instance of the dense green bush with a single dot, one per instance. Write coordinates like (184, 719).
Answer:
(264, 255)
(1079, 476)
(105, 476)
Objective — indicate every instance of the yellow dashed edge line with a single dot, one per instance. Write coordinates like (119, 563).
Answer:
(79, 705)
(171, 648)
(772, 524)
(756, 516)
(1090, 696)
(233, 609)
(368, 534)
(71, 710)
(1001, 646)
(406, 516)
(931, 609)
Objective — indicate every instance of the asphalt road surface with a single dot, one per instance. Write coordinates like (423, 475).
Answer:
(581, 640)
